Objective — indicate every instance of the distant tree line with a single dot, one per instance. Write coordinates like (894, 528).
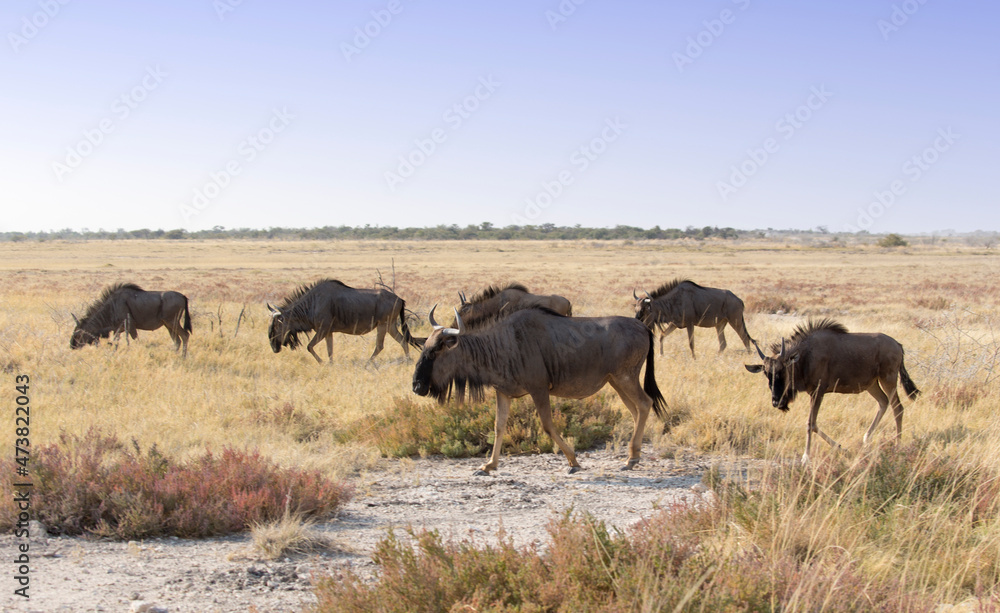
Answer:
(483, 231)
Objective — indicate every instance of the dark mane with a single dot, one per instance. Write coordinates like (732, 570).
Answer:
(305, 289)
(106, 294)
(493, 290)
(670, 286)
(813, 325)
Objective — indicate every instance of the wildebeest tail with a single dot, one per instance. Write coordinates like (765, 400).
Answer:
(405, 329)
(649, 384)
(187, 317)
(908, 385)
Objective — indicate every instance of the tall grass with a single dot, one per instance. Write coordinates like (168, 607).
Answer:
(935, 537)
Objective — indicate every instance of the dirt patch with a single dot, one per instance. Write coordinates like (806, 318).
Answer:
(178, 575)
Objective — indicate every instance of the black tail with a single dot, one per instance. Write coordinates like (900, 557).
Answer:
(908, 385)
(649, 385)
(187, 317)
(405, 329)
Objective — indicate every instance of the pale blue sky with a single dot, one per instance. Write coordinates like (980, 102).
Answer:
(199, 113)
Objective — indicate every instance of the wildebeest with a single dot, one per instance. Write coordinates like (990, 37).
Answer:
(126, 307)
(329, 306)
(685, 304)
(823, 357)
(539, 353)
(496, 301)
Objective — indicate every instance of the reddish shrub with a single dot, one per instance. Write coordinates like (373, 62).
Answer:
(94, 484)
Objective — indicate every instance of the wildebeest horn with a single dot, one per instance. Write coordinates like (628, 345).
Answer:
(634, 295)
(273, 310)
(430, 317)
(781, 356)
(458, 322)
(73, 315)
(461, 296)
(759, 352)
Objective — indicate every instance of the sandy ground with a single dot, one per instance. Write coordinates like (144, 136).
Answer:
(221, 575)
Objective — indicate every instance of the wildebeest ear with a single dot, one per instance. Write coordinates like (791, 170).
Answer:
(754, 367)
(793, 359)
(449, 341)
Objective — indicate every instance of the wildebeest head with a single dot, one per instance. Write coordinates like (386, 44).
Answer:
(427, 379)
(643, 308)
(278, 333)
(780, 373)
(81, 336)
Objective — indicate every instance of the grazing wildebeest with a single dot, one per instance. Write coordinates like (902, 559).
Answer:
(685, 304)
(540, 353)
(329, 306)
(126, 307)
(496, 301)
(823, 357)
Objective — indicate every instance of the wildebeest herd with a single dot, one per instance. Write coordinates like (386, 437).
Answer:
(522, 344)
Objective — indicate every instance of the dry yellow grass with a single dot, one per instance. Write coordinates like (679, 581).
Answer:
(232, 390)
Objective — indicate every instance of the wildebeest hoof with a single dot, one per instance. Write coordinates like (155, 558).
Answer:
(481, 473)
(630, 465)
(574, 469)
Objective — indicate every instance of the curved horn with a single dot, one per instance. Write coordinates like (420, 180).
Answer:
(430, 317)
(781, 356)
(274, 311)
(461, 296)
(634, 295)
(75, 318)
(458, 322)
(648, 297)
(759, 352)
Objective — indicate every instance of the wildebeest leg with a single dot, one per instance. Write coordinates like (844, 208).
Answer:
(883, 404)
(379, 340)
(817, 399)
(544, 410)
(663, 334)
(741, 330)
(499, 428)
(720, 330)
(320, 335)
(638, 403)
(690, 330)
(398, 337)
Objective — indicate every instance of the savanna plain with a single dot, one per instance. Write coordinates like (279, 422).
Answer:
(909, 525)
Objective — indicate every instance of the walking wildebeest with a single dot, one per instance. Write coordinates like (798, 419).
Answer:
(685, 304)
(539, 353)
(329, 306)
(495, 301)
(126, 307)
(823, 357)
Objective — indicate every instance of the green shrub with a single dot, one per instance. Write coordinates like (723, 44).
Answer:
(892, 240)
(422, 428)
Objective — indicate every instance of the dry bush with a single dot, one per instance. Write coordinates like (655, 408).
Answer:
(94, 484)
(292, 534)
(768, 303)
